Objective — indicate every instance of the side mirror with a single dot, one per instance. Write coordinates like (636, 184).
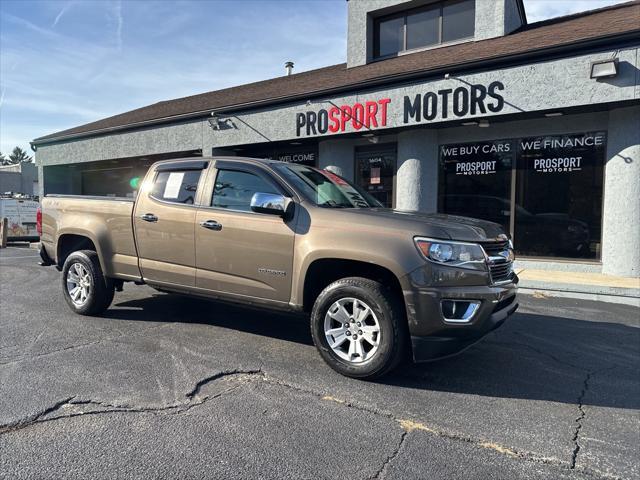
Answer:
(270, 203)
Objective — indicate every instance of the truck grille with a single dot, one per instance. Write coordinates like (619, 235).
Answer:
(499, 261)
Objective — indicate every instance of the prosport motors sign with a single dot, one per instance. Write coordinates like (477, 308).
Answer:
(459, 102)
(368, 115)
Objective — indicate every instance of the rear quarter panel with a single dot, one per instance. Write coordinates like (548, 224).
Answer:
(106, 222)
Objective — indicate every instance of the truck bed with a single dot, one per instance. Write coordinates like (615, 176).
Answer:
(107, 221)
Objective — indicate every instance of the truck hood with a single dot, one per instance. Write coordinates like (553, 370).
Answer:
(435, 225)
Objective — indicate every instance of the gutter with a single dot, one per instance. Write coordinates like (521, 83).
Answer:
(454, 68)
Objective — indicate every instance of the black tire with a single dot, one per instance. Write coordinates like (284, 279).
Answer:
(389, 311)
(101, 290)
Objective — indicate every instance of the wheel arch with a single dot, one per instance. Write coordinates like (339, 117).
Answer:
(69, 242)
(321, 272)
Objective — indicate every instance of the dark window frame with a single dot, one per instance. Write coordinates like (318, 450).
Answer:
(406, 13)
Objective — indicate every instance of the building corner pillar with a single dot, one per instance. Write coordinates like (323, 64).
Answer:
(621, 206)
(417, 175)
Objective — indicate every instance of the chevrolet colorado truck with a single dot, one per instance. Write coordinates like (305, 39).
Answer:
(378, 284)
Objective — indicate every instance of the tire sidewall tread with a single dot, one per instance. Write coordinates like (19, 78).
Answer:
(102, 288)
(390, 313)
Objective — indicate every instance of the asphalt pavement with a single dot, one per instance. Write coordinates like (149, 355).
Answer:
(164, 386)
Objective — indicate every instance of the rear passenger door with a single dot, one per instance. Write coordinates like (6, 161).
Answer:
(164, 222)
(248, 254)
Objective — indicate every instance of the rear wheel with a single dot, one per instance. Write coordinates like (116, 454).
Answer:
(84, 286)
(359, 327)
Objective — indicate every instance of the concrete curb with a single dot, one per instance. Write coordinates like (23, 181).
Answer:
(582, 293)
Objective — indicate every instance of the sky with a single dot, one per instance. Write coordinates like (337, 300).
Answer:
(69, 62)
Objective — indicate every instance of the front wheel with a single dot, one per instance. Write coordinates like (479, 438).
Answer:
(84, 286)
(359, 327)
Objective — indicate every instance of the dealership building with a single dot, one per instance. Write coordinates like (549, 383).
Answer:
(454, 106)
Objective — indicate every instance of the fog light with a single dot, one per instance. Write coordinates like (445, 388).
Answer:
(459, 311)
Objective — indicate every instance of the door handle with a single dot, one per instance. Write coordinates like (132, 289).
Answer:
(211, 225)
(149, 217)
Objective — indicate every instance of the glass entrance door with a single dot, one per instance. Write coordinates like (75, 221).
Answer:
(376, 171)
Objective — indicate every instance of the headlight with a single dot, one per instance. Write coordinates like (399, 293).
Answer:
(455, 254)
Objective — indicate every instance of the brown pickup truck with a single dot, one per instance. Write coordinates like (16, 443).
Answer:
(377, 283)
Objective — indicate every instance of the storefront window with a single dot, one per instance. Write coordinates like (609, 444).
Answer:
(476, 180)
(559, 195)
(554, 208)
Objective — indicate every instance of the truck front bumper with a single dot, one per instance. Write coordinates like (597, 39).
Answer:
(432, 335)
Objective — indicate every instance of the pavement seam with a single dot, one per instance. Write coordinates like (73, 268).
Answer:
(193, 399)
(35, 418)
(578, 421)
(383, 468)
(409, 425)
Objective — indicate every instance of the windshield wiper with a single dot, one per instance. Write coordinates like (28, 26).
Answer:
(333, 204)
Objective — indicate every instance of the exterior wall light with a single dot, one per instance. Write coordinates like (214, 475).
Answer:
(483, 123)
(217, 123)
(604, 68)
(469, 124)
(213, 121)
(553, 114)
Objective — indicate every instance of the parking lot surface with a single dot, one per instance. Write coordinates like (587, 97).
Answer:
(164, 386)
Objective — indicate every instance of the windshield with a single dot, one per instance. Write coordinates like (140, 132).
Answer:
(326, 189)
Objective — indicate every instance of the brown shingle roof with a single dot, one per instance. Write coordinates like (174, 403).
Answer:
(556, 33)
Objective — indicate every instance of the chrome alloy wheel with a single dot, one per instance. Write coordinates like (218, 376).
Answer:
(352, 330)
(79, 284)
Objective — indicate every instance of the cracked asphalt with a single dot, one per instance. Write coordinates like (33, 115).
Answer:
(163, 386)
